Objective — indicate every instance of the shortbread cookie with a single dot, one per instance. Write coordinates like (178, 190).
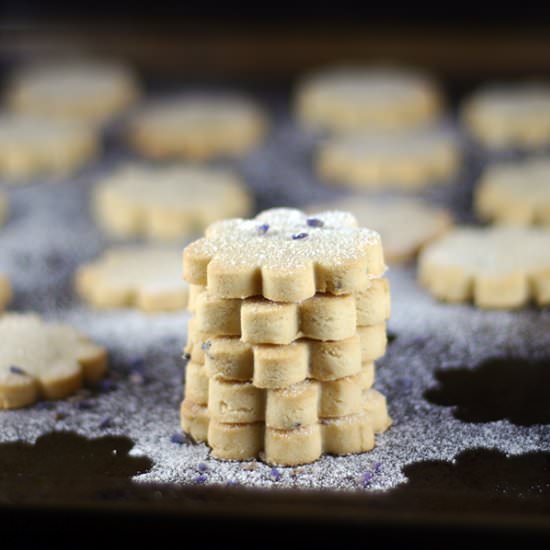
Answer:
(88, 91)
(146, 277)
(509, 116)
(289, 447)
(515, 192)
(277, 366)
(5, 291)
(321, 317)
(374, 98)
(498, 267)
(198, 127)
(405, 224)
(40, 360)
(167, 202)
(285, 256)
(32, 146)
(375, 160)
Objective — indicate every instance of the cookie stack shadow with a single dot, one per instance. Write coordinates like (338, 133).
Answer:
(285, 381)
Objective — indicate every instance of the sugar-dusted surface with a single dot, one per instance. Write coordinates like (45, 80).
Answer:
(49, 233)
(286, 239)
(496, 250)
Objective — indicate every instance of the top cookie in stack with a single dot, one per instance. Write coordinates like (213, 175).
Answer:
(289, 317)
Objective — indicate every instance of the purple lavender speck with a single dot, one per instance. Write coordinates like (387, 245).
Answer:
(177, 438)
(17, 370)
(366, 478)
(315, 222)
(275, 474)
(377, 467)
(299, 236)
(205, 346)
(201, 479)
(202, 467)
(263, 229)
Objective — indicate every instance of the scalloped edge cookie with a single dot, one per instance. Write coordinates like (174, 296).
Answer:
(500, 267)
(100, 90)
(74, 359)
(167, 202)
(145, 277)
(350, 98)
(340, 436)
(405, 161)
(285, 255)
(321, 317)
(515, 192)
(198, 127)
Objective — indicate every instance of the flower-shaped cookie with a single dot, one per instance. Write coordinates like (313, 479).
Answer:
(498, 267)
(167, 202)
(405, 224)
(85, 90)
(510, 115)
(404, 160)
(198, 127)
(37, 146)
(355, 98)
(516, 192)
(44, 360)
(284, 255)
(147, 277)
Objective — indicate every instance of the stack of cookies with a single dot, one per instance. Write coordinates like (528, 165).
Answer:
(289, 315)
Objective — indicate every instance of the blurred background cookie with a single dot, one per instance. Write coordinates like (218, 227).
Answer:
(198, 127)
(84, 90)
(517, 192)
(145, 277)
(367, 98)
(405, 160)
(405, 224)
(37, 146)
(44, 360)
(513, 115)
(498, 267)
(167, 202)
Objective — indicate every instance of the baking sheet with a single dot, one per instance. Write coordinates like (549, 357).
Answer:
(467, 389)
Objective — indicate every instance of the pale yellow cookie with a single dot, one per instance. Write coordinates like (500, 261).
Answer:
(285, 256)
(509, 115)
(40, 360)
(146, 277)
(515, 192)
(276, 366)
(497, 267)
(88, 91)
(5, 291)
(34, 146)
(3, 207)
(167, 202)
(198, 127)
(378, 160)
(321, 317)
(405, 224)
(367, 98)
(289, 447)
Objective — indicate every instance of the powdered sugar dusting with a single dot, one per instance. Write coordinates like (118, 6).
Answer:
(289, 242)
(49, 234)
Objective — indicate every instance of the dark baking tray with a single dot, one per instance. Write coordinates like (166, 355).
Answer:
(69, 487)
